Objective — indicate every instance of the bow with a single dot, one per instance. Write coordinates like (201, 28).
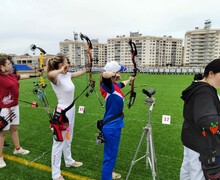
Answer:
(89, 48)
(133, 54)
(39, 87)
(41, 64)
(91, 81)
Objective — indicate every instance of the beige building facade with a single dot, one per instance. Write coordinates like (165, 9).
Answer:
(201, 46)
(76, 51)
(152, 51)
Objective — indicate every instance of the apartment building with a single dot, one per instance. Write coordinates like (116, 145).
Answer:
(76, 51)
(152, 51)
(201, 46)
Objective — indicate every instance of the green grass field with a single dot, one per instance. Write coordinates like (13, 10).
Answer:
(35, 134)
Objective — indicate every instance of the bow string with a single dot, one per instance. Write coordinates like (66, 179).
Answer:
(90, 64)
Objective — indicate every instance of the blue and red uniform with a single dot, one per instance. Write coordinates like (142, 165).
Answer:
(114, 103)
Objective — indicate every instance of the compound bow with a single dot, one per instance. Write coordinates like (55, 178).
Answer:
(40, 87)
(133, 54)
(91, 81)
(41, 64)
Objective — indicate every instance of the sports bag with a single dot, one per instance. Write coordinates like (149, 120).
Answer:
(59, 123)
(212, 171)
(210, 167)
(101, 123)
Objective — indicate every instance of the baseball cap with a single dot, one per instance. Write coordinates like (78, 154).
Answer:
(113, 66)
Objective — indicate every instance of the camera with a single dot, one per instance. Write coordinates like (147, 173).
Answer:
(100, 138)
(149, 92)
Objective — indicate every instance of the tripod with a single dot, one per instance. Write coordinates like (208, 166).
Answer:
(150, 153)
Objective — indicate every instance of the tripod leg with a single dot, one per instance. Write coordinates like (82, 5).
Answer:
(153, 157)
(135, 155)
(147, 149)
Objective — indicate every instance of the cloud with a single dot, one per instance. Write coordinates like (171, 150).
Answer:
(47, 22)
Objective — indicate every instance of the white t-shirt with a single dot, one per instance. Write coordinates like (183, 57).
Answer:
(64, 90)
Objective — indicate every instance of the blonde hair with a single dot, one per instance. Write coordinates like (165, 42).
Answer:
(52, 63)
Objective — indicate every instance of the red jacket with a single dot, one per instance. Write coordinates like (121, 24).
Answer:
(9, 90)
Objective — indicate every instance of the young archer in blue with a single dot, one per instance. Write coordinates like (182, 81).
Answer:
(114, 103)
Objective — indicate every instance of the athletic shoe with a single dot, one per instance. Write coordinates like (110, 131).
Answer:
(116, 175)
(21, 151)
(60, 178)
(2, 162)
(75, 164)
(6, 144)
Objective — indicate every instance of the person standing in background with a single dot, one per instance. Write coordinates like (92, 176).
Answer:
(201, 114)
(14, 71)
(9, 93)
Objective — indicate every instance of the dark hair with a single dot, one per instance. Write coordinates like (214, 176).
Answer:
(52, 63)
(3, 61)
(13, 65)
(198, 76)
(9, 58)
(213, 66)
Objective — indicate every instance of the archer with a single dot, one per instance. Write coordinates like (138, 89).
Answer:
(62, 123)
(113, 120)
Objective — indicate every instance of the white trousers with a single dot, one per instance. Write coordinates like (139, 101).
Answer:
(191, 166)
(63, 147)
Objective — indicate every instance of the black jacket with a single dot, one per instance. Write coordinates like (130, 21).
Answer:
(201, 114)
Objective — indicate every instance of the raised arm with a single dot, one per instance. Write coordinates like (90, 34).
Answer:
(52, 75)
(79, 73)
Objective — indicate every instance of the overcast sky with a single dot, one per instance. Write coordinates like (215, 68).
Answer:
(47, 22)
